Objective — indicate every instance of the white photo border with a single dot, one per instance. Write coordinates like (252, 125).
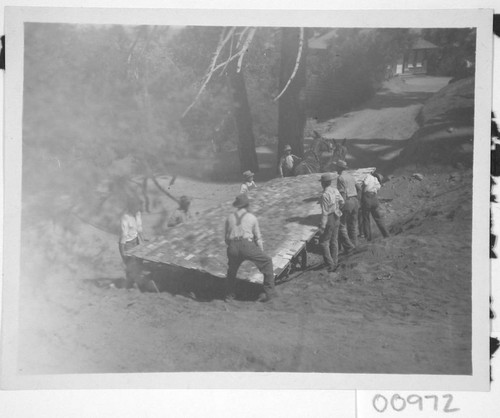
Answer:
(15, 17)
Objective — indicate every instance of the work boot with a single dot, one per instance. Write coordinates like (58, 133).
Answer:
(267, 295)
(263, 297)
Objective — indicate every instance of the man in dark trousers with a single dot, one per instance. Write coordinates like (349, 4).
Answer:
(347, 188)
(287, 162)
(331, 202)
(244, 242)
(370, 205)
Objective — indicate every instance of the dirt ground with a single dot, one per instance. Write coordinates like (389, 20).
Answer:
(398, 305)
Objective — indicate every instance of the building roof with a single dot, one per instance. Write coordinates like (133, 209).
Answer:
(421, 43)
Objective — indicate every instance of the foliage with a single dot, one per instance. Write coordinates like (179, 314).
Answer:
(96, 95)
(103, 106)
(353, 68)
(456, 55)
(261, 76)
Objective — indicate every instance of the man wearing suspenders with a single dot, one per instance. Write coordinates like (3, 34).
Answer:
(244, 242)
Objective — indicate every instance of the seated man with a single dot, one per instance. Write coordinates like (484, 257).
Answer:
(182, 213)
(248, 183)
(287, 162)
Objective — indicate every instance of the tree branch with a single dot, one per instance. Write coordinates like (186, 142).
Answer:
(222, 42)
(240, 37)
(297, 63)
(230, 53)
(245, 46)
(155, 181)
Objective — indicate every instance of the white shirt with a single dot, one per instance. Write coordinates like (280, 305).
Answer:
(331, 201)
(243, 224)
(286, 163)
(131, 227)
(247, 186)
(371, 184)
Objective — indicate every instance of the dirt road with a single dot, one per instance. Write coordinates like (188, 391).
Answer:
(378, 131)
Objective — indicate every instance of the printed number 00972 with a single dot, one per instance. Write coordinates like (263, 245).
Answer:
(398, 403)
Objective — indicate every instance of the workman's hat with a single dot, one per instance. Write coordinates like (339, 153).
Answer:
(288, 148)
(248, 174)
(329, 177)
(341, 164)
(241, 201)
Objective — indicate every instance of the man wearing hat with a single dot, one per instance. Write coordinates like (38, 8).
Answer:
(370, 205)
(248, 183)
(182, 213)
(287, 162)
(244, 242)
(331, 202)
(349, 190)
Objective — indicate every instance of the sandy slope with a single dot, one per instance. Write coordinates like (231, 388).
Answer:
(399, 305)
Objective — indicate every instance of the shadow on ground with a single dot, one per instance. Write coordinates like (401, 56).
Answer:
(311, 220)
(387, 99)
(193, 284)
(361, 153)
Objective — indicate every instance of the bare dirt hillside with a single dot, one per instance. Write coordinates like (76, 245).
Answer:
(397, 305)
(379, 130)
(400, 305)
(446, 128)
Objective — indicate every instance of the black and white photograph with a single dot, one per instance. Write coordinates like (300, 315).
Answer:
(249, 196)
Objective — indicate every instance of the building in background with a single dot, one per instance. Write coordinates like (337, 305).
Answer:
(415, 60)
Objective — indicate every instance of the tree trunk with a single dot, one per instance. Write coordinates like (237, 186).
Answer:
(291, 113)
(243, 118)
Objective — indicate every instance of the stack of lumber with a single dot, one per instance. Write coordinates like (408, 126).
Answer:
(288, 214)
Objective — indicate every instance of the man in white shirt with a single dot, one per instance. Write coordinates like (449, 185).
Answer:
(131, 236)
(331, 202)
(248, 183)
(287, 162)
(244, 242)
(370, 205)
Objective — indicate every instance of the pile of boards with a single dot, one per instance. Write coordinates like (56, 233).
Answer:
(288, 214)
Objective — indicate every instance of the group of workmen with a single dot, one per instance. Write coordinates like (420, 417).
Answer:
(346, 207)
